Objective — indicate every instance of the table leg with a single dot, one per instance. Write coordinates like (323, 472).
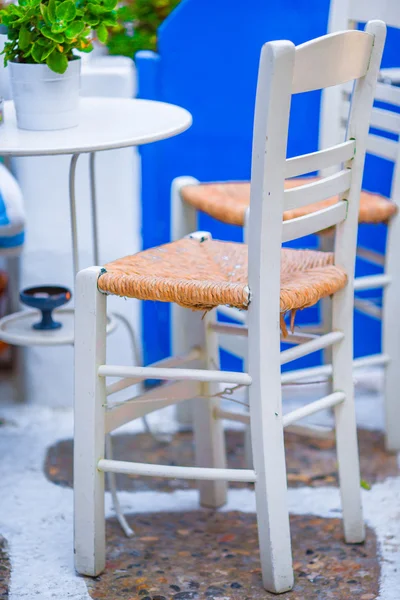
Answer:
(72, 204)
(93, 200)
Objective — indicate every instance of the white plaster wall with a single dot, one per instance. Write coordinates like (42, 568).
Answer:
(47, 257)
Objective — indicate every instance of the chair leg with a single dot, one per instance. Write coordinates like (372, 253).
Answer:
(345, 419)
(183, 222)
(265, 395)
(326, 244)
(208, 429)
(391, 339)
(89, 437)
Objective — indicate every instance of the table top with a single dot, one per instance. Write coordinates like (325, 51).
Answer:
(105, 124)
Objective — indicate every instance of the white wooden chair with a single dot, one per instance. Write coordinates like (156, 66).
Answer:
(201, 274)
(229, 201)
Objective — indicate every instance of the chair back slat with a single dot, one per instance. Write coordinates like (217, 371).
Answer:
(319, 190)
(286, 70)
(388, 93)
(381, 118)
(331, 60)
(315, 161)
(383, 147)
(365, 10)
(319, 221)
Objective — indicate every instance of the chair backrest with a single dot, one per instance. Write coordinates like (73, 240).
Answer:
(335, 59)
(344, 14)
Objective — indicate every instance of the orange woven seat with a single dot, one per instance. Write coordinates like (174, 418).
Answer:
(203, 275)
(228, 202)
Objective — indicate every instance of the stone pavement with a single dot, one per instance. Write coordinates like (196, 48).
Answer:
(181, 552)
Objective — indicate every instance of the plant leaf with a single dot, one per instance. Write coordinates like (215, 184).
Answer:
(56, 37)
(57, 62)
(24, 38)
(37, 52)
(110, 4)
(47, 51)
(44, 11)
(74, 29)
(365, 485)
(92, 20)
(51, 10)
(102, 33)
(66, 11)
(96, 9)
(59, 26)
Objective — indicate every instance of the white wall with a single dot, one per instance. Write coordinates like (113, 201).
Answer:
(47, 257)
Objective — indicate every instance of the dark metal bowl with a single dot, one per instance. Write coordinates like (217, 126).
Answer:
(46, 298)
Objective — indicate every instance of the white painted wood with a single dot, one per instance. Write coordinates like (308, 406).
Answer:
(313, 407)
(382, 147)
(331, 60)
(298, 337)
(208, 430)
(313, 345)
(143, 373)
(322, 159)
(372, 282)
(364, 10)
(341, 12)
(233, 313)
(235, 344)
(90, 399)
(134, 122)
(342, 304)
(146, 470)
(229, 329)
(317, 431)
(154, 399)
(390, 324)
(318, 190)
(318, 221)
(265, 234)
(371, 256)
(383, 119)
(326, 244)
(388, 93)
(319, 372)
(171, 361)
(373, 360)
(183, 222)
(367, 307)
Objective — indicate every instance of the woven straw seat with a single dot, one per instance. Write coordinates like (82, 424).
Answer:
(203, 275)
(228, 202)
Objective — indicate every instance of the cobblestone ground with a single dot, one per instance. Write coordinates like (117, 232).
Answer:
(5, 568)
(213, 555)
(180, 552)
(310, 461)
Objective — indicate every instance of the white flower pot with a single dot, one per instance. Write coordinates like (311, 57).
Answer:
(45, 100)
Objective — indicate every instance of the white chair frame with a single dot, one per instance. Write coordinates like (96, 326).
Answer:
(284, 70)
(334, 111)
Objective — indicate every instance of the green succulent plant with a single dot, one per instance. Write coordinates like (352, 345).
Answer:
(137, 24)
(47, 31)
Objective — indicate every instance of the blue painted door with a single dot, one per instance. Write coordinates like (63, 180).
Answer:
(207, 62)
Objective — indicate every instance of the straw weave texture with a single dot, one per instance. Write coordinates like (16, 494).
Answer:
(228, 202)
(203, 275)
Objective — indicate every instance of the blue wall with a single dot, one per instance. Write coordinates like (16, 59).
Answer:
(207, 62)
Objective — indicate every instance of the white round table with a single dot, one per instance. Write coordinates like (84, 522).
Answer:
(105, 124)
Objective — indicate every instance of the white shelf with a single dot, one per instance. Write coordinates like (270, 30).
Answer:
(17, 330)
